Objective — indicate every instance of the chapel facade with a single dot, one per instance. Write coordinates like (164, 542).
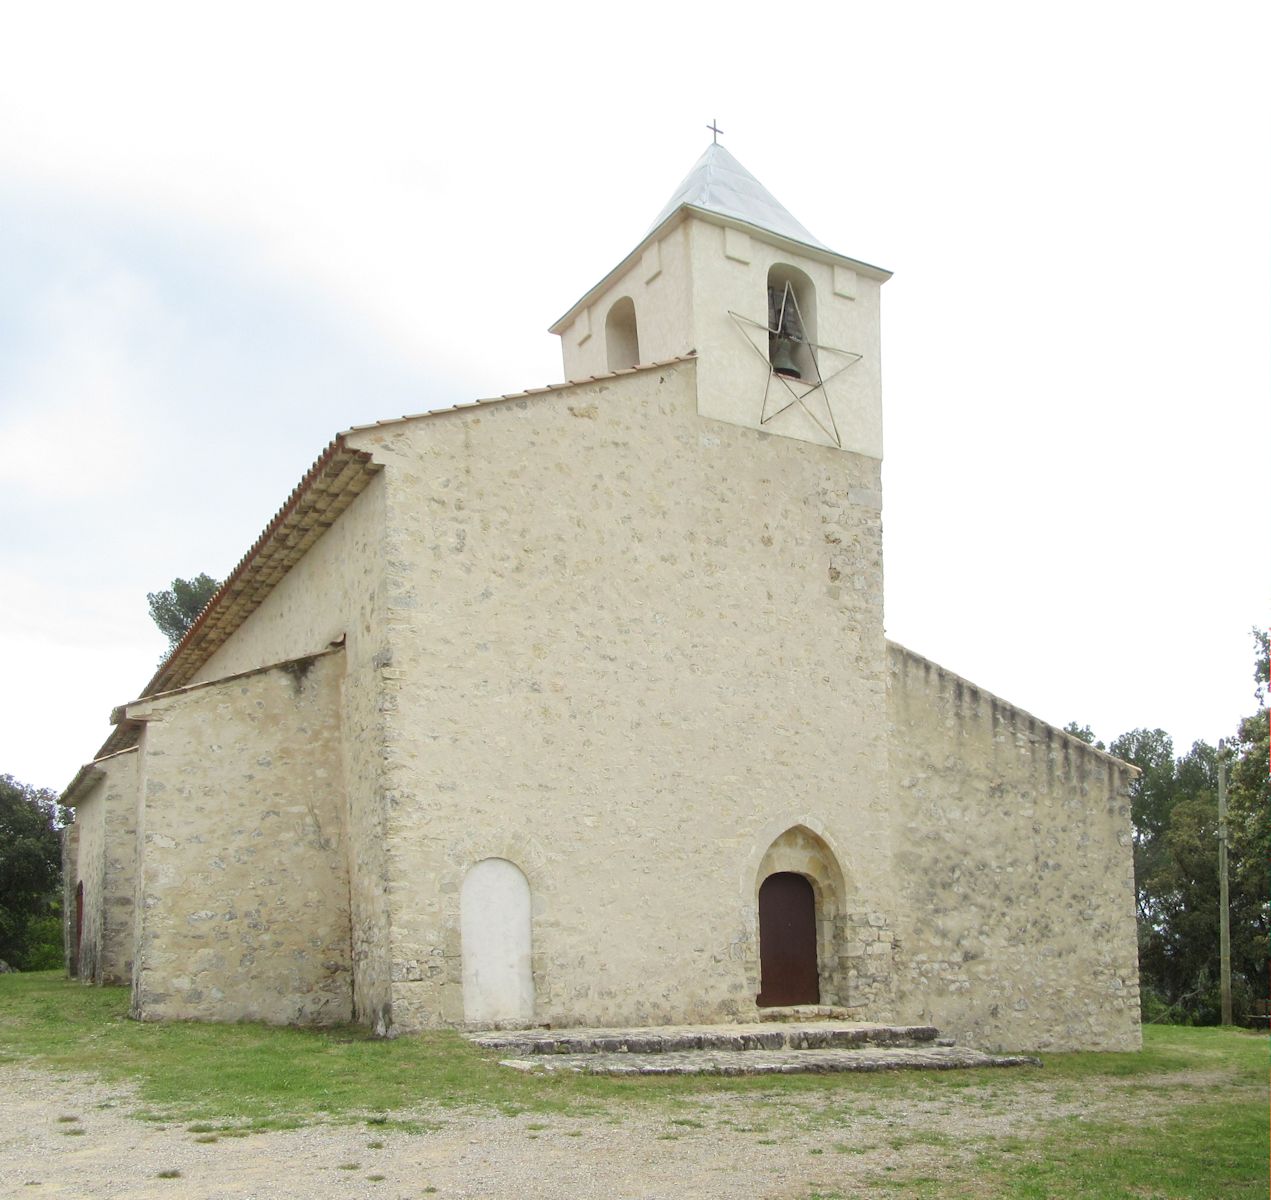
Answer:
(574, 706)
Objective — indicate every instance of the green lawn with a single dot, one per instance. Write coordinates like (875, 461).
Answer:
(1204, 1092)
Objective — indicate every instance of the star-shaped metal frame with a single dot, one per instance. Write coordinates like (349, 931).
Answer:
(797, 391)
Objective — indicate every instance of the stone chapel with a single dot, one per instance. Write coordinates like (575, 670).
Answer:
(574, 706)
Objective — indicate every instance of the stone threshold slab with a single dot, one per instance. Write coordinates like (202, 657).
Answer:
(672, 1039)
(771, 1062)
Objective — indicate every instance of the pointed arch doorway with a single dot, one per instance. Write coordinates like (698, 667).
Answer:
(788, 972)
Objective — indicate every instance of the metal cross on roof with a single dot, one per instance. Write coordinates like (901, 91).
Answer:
(715, 131)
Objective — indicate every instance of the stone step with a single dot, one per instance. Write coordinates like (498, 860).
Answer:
(753, 1037)
(806, 1012)
(770, 1062)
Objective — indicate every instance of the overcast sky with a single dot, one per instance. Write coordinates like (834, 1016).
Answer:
(229, 232)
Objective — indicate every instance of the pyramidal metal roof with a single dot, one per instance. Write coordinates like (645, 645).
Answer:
(718, 183)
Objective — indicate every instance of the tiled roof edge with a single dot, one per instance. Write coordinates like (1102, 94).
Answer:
(234, 600)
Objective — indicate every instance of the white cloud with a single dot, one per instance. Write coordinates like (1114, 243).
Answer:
(78, 410)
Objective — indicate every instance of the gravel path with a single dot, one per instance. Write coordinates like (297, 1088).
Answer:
(71, 1137)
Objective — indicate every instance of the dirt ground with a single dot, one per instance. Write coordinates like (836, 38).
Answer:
(71, 1137)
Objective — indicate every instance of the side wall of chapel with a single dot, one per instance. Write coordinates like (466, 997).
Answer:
(85, 887)
(70, 873)
(1016, 867)
(243, 879)
(100, 853)
(634, 648)
(337, 591)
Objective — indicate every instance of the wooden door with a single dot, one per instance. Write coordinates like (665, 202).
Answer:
(787, 941)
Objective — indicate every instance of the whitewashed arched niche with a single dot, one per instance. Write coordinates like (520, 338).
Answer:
(622, 338)
(494, 933)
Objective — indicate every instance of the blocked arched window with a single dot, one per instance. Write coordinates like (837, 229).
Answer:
(494, 931)
(791, 322)
(622, 340)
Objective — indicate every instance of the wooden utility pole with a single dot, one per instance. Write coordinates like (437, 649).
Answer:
(1224, 914)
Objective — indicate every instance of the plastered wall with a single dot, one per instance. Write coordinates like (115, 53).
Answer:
(631, 647)
(659, 283)
(243, 868)
(703, 287)
(730, 282)
(1015, 870)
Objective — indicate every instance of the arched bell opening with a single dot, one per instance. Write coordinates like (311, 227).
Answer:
(622, 339)
(791, 322)
(800, 893)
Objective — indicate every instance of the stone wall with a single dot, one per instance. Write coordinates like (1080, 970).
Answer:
(243, 866)
(70, 879)
(1015, 870)
(119, 916)
(88, 870)
(631, 648)
(337, 592)
(99, 851)
(639, 654)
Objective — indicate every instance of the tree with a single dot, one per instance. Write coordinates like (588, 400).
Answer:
(1151, 800)
(30, 876)
(1249, 831)
(1085, 733)
(176, 609)
(1174, 808)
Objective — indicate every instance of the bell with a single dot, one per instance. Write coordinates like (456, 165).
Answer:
(782, 356)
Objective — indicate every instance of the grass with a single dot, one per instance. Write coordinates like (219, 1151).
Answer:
(1205, 1091)
(256, 1075)
(1214, 1147)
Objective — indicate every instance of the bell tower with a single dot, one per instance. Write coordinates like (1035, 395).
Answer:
(786, 330)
